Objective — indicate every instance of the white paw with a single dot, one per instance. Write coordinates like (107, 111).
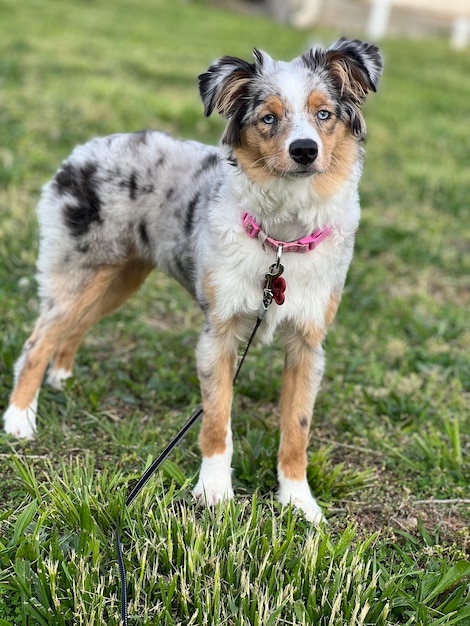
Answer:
(215, 481)
(57, 377)
(297, 493)
(21, 423)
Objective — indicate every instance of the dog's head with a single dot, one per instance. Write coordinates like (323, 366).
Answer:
(293, 119)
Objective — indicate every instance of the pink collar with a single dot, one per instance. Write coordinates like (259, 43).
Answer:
(301, 245)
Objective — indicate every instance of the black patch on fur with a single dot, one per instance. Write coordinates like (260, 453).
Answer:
(232, 135)
(80, 183)
(170, 194)
(208, 162)
(189, 219)
(83, 247)
(231, 160)
(185, 271)
(178, 264)
(204, 308)
(140, 136)
(303, 422)
(133, 188)
(144, 235)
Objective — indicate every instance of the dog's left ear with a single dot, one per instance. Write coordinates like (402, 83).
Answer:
(358, 64)
(225, 87)
(355, 68)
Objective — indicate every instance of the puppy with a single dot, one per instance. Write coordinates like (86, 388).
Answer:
(279, 195)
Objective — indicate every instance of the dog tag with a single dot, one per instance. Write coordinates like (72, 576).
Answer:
(278, 288)
(274, 285)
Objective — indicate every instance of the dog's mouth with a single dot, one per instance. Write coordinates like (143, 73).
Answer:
(300, 172)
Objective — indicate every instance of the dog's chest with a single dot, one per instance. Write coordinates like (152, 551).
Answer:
(237, 272)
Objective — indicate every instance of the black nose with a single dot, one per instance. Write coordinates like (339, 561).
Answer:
(303, 151)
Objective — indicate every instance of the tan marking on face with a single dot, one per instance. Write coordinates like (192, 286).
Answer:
(250, 155)
(317, 101)
(274, 105)
(340, 153)
(339, 150)
(299, 386)
(262, 153)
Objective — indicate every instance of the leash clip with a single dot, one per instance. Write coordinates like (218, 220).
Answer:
(274, 286)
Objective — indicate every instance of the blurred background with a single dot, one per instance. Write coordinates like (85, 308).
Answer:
(391, 435)
(376, 18)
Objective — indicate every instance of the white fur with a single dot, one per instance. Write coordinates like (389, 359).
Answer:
(57, 377)
(297, 493)
(215, 479)
(238, 263)
(21, 423)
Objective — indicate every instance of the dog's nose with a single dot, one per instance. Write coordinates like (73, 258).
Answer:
(303, 151)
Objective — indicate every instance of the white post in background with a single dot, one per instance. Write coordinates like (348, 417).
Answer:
(460, 33)
(378, 18)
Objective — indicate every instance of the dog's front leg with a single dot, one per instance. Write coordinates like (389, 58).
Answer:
(216, 358)
(303, 371)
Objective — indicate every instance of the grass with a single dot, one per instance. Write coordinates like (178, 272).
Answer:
(390, 442)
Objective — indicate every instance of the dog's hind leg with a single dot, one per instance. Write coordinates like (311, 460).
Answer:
(303, 371)
(62, 310)
(125, 282)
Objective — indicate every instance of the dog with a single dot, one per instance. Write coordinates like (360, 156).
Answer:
(281, 191)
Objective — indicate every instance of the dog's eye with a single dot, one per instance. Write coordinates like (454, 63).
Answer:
(323, 115)
(268, 119)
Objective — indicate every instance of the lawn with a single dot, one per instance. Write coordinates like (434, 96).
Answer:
(389, 452)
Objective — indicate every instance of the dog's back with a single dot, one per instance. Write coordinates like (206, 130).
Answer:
(134, 195)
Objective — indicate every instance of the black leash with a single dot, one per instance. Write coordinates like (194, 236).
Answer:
(143, 480)
(268, 295)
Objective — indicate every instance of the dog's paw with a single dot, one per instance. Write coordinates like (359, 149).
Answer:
(297, 493)
(215, 481)
(21, 423)
(57, 377)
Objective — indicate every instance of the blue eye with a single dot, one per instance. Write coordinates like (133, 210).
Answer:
(268, 119)
(323, 115)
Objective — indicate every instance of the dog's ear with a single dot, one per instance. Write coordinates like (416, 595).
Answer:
(358, 64)
(225, 87)
(355, 68)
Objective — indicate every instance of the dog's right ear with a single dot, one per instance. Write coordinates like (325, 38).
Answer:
(224, 83)
(225, 87)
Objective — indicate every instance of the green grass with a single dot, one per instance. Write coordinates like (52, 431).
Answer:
(389, 454)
